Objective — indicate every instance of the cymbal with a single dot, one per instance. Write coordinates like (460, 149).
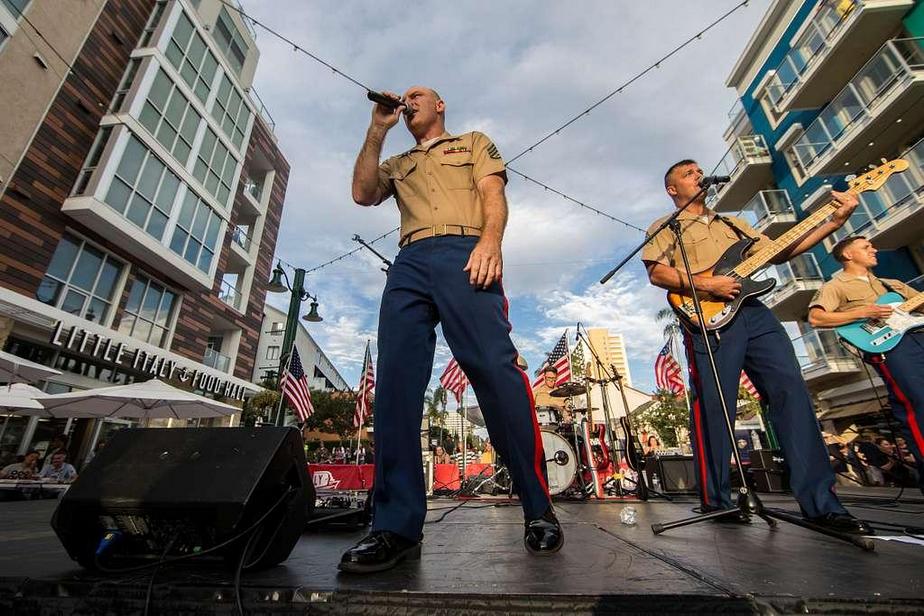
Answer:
(584, 409)
(568, 390)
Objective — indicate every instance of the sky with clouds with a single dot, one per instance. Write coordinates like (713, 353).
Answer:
(514, 70)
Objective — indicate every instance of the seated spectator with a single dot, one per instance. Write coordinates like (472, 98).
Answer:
(58, 443)
(441, 457)
(487, 456)
(59, 470)
(27, 469)
(652, 446)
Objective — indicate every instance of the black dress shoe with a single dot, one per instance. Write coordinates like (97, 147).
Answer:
(842, 522)
(544, 535)
(378, 551)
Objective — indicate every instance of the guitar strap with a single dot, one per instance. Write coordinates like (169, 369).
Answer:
(739, 232)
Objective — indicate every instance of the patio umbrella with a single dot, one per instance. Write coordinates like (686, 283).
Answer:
(15, 369)
(152, 399)
(18, 399)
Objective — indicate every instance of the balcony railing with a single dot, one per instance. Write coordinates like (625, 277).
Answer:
(214, 359)
(892, 68)
(814, 42)
(902, 194)
(262, 109)
(253, 188)
(241, 237)
(819, 349)
(766, 207)
(229, 295)
(797, 281)
(745, 149)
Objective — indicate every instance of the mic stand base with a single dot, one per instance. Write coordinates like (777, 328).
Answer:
(749, 503)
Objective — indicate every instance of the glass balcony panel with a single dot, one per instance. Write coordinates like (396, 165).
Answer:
(214, 359)
(229, 295)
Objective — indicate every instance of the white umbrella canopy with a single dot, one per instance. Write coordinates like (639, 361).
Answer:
(20, 397)
(14, 369)
(152, 399)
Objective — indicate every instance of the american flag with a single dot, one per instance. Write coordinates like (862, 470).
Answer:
(454, 379)
(294, 385)
(749, 386)
(560, 359)
(668, 372)
(364, 391)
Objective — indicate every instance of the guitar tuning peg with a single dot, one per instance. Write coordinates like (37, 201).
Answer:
(884, 161)
(871, 166)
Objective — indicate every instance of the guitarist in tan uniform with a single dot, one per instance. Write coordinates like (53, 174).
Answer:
(754, 341)
(850, 296)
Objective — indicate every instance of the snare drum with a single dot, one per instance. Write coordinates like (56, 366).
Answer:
(548, 415)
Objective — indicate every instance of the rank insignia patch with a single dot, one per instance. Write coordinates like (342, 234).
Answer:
(492, 152)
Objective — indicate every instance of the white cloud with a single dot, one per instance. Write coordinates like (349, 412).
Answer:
(515, 71)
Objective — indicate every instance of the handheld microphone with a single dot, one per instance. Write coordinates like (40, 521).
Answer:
(712, 180)
(385, 101)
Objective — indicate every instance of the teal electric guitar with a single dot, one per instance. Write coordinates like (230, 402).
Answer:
(881, 336)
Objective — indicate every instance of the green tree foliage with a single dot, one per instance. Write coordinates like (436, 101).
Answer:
(333, 413)
(665, 417)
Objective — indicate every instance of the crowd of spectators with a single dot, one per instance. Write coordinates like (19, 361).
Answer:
(872, 459)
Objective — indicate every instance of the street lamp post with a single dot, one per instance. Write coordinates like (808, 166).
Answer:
(279, 283)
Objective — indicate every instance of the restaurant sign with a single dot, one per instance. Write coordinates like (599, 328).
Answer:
(106, 349)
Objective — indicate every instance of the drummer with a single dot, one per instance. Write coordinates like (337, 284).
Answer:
(542, 394)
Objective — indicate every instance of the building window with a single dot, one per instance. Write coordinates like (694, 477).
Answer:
(143, 189)
(152, 24)
(3, 36)
(16, 7)
(96, 152)
(277, 328)
(148, 311)
(124, 86)
(231, 112)
(215, 167)
(230, 41)
(189, 55)
(272, 352)
(169, 116)
(196, 232)
(80, 280)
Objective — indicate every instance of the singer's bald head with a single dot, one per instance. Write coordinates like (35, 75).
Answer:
(428, 116)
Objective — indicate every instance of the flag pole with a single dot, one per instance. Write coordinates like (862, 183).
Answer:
(464, 447)
(359, 429)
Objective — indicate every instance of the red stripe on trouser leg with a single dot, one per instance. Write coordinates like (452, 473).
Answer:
(538, 460)
(905, 402)
(698, 421)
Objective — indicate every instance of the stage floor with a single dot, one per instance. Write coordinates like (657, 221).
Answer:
(474, 561)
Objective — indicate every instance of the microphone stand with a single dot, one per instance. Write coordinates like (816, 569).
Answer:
(748, 501)
(363, 243)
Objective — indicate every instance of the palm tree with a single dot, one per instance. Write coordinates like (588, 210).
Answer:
(435, 403)
(672, 328)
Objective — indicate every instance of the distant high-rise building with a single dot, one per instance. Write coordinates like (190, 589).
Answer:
(611, 348)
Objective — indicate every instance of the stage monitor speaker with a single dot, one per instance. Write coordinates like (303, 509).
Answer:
(154, 494)
(769, 472)
(676, 473)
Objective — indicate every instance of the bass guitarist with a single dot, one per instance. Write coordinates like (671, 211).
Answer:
(755, 341)
(850, 296)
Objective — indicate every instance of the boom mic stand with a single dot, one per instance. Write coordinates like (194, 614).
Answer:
(365, 245)
(748, 501)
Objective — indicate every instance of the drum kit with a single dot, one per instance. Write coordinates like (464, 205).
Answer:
(573, 454)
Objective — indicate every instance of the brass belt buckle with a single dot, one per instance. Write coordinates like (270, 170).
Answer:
(444, 232)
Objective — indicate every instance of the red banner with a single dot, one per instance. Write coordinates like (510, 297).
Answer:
(342, 476)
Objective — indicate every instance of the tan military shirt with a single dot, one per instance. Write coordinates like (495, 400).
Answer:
(436, 184)
(845, 292)
(543, 397)
(705, 237)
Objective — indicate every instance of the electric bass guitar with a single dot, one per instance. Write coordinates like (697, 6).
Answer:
(719, 312)
(881, 336)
